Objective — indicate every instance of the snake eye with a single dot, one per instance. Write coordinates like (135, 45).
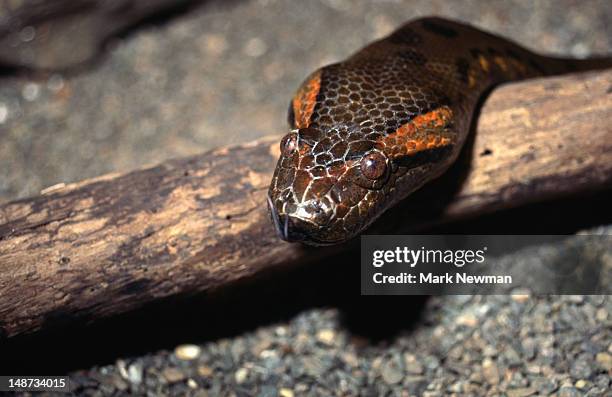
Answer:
(288, 144)
(373, 165)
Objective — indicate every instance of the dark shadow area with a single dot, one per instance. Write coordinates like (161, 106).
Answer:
(275, 296)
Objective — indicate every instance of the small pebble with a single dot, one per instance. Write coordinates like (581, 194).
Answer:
(391, 372)
(601, 314)
(326, 336)
(134, 373)
(413, 366)
(3, 113)
(521, 392)
(173, 375)
(520, 298)
(581, 384)
(604, 360)
(187, 352)
(55, 82)
(568, 391)
(122, 368)
(284, 392)
(205, 371)
(468, 319)
(545, 385)
(268, 391)
(30, 92)
(119, 383)
(581, 369)
(490, 371)
(241, 375)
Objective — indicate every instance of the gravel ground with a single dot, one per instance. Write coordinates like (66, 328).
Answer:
(464, 345)
(223, 73)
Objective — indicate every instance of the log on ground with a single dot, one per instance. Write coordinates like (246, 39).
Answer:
(109, 245)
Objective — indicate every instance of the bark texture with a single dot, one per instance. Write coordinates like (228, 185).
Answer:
(112, 244)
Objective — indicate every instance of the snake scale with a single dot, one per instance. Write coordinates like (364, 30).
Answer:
(368, 131)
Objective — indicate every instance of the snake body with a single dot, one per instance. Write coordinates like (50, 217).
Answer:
(368, 131)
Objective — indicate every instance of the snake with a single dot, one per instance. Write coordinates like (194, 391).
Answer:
(366, 132)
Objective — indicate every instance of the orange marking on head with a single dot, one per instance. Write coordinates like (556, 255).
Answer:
(305, 99)
(519, 66)
(407, 139)
(471, 80)
(484, 63)
(501, 62)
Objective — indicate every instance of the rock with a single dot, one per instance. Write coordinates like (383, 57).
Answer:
(489, 351)
(490, 371)
(392, 371)
(205, 371)
(456, 387)
(581, 369)
(187, 352)
(326, 336)
(467, 319)
(416, 385)
(545, 385)
(520, 297)
(268, 391)
(581, 384)
(412, 364)
(350, 359)
(241, 375)
(261, 346)
(119, 383)
(604, 360)
(521, 392)
(284, 392)
(315, 366)
(575, 298)
(134, 373)
(122, 368)
(512, 357)
(431, 363)
(602, 381)
(601, 315)
(568, 391)
(534, 369)
(529, 348)
(173, 375)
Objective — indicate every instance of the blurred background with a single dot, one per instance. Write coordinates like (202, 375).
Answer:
(94, 86)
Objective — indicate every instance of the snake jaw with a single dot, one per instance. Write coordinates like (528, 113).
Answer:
(304, 220)
(318, 212)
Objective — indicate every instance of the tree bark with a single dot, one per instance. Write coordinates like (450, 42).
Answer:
(114, 243)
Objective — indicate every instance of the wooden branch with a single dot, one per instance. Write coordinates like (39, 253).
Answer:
(109, 245)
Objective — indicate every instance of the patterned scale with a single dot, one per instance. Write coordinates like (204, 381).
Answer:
(370, 130)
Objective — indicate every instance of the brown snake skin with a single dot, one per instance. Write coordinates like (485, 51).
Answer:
(368, 131)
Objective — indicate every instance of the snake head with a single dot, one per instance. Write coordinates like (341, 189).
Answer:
(354, 149)
(326, 184)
